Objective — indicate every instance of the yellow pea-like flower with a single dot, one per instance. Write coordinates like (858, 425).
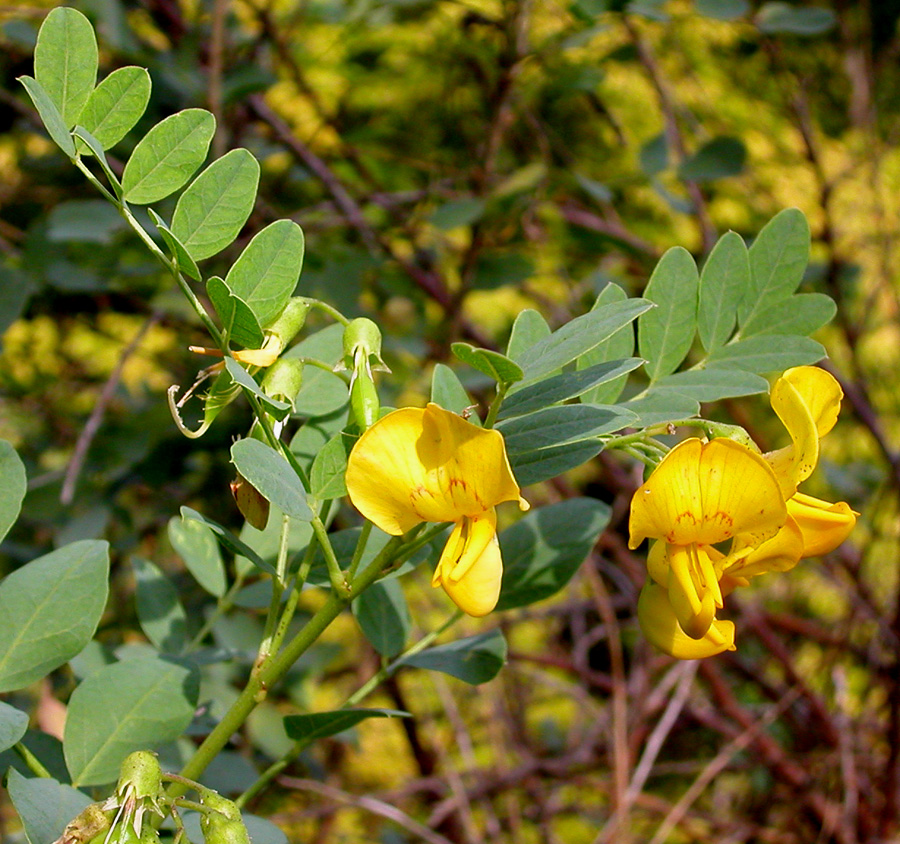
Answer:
(430, 465)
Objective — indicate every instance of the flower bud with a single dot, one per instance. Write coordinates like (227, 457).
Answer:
(362, 346)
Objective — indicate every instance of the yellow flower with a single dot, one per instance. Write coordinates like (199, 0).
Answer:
(700, 495)
(807, 400)
(703, 494)
(430, 465)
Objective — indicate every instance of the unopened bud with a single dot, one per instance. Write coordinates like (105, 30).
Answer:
(223, 824)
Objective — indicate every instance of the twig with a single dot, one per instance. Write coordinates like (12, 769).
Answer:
(369, 804)
(92, 426)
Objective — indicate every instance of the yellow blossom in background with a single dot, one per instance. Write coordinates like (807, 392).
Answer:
(430, 465)
(704, 494)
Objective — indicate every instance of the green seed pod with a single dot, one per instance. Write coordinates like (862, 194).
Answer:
(364, 402)
(140, 776)
(283, 379)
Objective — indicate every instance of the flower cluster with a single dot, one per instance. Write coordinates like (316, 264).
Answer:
(430, 465)
(706, 494)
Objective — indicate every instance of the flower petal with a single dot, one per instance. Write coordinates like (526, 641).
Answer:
(470, 568)
(660, 626)
(704, 493)
(692, 589)
(386, 479)
(466, 463)
(780, 553)
(820, 392)
(823, 526)
(795, 462)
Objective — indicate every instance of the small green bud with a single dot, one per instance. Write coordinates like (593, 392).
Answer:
(283, 379)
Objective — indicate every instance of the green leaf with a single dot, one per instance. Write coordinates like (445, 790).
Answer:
(266, 273)
(474, 660)
(783, 19)
(326, 477)
(568, 385)
(577, 337)
(801, 313)
(238, 319)
(65, 61)
(723, 10)
(315, 725)
(223, 391)
(272, 476)
(767, 353)
(167, 156)
(493, 364)
(458, 212)
(13, 724)
(659, 406)
(654, 155)
(196, 544)
(116, 105)
(569, 423)
(228, 540)
(15, 484)
(87, 143)
(528, 329)
(713, 384)
(183, 261)
(532, 467)
(448, 392)
(716, 159)
(276, 408)
(666, 333)
(160, 613)
(84, 221)
(618, 346)
(44, 805)
(723, 282)
(383, 615)
(50, 116)
(50, 610)
(212, 211)
(544, 549)
(133, 705)
(778, 258)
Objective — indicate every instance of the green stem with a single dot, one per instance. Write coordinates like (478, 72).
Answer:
(270, 673)
(359, 550)
(335, 575)
(333, 312)
(31, 760)
(360, 694)
(494, 409)
(278, 584)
